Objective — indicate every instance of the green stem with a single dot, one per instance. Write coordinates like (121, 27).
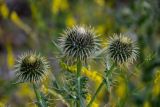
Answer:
(97, 91)
(38, 96)
(80, 99)
(79, 67)
(108, 72)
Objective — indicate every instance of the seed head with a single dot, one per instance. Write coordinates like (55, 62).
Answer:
(31, 67)
(122, 49)
(79, 42)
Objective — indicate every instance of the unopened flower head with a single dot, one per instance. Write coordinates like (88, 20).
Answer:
(79, 42)
(122, 49)
(31, 67)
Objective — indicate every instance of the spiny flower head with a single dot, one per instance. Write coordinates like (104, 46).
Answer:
(79, 42)
(31, 67)
(122, 49)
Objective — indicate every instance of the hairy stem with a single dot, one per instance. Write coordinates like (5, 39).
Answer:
(80, 99)
(40, 101)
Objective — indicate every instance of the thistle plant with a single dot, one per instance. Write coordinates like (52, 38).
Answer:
(121, 49)
(32, 68)
(78, 44)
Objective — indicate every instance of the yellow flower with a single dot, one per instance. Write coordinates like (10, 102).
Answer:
(157, 77)
(2, 105)
(24, 90)
(3, 101)
(93, 75)
(156, 90)
(156, 85)
(100, 29)
(70, 21)
(59, 5)
(146, 104)
(10, 56)
(16, 19)
(100, 2)
(121, 88)
(95, 103)
(4, 10)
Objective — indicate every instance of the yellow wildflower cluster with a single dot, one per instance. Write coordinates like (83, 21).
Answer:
(93, 75)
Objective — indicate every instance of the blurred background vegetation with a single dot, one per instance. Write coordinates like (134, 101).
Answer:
(33, 24)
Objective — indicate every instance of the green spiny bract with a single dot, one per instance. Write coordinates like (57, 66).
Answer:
(71, 85)
(31, 67)
(122, 49)
(69, 90)
(79, 42)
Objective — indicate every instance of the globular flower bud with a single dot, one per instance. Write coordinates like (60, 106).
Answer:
(31, 67)
(79, 42)
(122, 49)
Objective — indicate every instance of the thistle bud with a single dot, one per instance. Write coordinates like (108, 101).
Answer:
(122, 49)
(79, 42)
(31, 67)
